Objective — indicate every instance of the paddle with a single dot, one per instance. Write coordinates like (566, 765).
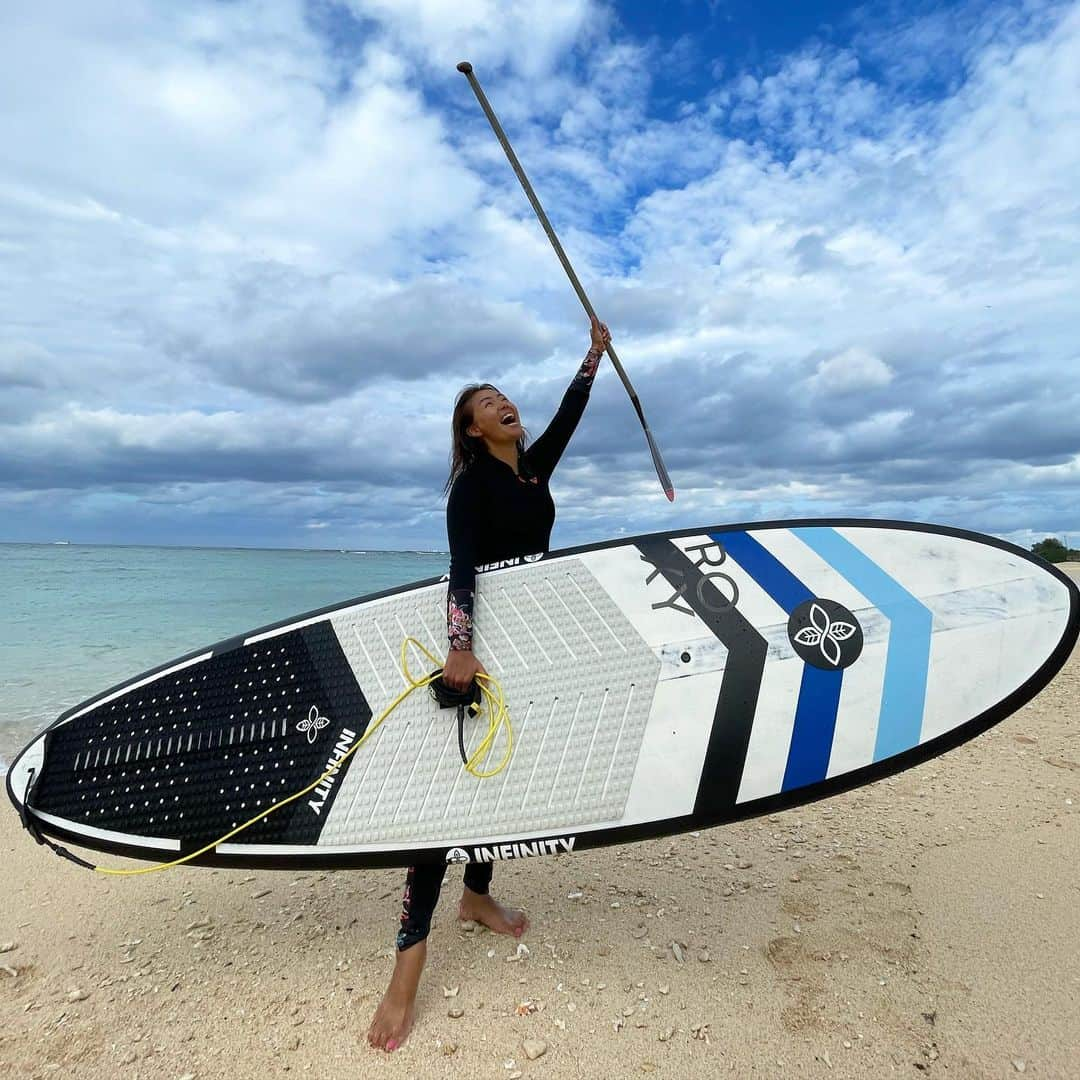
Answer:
(661, 471)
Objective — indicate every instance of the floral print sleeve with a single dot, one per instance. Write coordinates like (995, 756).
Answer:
(459, 619)
(583, 380)
(463, 510)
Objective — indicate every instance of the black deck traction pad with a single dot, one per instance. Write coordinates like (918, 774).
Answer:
(191, 755)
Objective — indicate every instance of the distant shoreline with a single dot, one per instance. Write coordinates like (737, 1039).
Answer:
(228, 547)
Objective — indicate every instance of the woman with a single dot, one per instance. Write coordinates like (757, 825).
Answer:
(499, 507)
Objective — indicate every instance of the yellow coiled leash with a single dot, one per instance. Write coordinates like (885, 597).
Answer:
(498, 717)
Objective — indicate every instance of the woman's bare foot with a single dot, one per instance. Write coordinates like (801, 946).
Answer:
(393, 1019)
(481, 908)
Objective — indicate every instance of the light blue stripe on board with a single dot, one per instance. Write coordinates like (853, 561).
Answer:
(903, 695)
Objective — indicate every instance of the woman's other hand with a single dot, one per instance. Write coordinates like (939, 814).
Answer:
(461, 668)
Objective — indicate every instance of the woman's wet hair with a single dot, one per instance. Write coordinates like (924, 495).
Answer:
(463, 446)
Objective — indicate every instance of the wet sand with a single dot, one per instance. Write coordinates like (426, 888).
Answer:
(927, 925)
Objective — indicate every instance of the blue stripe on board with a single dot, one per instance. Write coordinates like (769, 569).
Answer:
(815, 722)
(903, 695)
(765, 568)
(819, 693)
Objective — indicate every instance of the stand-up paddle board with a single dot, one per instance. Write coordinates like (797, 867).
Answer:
(658, 684)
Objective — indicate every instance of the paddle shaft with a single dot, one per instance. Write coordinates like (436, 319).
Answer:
(661, 471)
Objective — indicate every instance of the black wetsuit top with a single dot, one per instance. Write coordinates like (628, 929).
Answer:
(494, 514)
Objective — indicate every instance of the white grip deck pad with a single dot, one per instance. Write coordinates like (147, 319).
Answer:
(579, 682)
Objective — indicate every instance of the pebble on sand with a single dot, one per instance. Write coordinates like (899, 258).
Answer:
(534, 1048)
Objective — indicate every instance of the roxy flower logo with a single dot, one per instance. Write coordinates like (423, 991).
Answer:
(313, 723)
(825, 633)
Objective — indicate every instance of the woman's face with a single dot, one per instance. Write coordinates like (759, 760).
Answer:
(494, 417)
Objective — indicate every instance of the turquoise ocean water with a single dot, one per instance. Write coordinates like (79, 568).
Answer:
(75, 620)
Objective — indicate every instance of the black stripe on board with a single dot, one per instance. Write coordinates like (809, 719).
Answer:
(736, 704)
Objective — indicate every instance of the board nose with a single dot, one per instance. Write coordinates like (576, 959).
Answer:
(26, 767)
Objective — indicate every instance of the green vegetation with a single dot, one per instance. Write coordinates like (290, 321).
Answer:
(1053, 550)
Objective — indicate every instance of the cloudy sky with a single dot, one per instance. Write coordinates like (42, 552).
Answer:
(249, 250)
